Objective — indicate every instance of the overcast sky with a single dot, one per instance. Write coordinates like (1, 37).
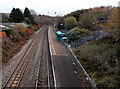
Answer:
(61, 7)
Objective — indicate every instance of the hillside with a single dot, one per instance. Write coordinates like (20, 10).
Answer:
(101, 60)
(14, 39)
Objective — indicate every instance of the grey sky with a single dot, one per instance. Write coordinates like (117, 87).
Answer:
(60, 6)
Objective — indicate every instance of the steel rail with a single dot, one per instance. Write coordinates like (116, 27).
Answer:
(20, 70)
(45, 64)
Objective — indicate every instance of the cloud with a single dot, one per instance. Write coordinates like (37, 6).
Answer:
(59, 6)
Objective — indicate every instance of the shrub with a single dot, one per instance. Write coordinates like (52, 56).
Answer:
(8, 32)
(87, 20)
(70, 22)
(28, 21)
(2, 35)
(18, 36)
(29, 32)
(100, 61)
(77, 33)
(114, 23)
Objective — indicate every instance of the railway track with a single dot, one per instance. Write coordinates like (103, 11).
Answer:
(45, 77)
(15, 78)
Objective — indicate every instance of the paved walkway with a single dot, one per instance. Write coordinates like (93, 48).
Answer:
(65, 73)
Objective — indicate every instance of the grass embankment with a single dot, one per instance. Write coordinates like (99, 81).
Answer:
(101, 60)
(16, 38)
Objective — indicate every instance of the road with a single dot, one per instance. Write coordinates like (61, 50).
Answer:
(65, 72)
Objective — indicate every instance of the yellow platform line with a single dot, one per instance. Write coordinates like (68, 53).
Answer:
(53, 47)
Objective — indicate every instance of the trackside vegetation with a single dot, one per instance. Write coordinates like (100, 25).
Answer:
(101, 60)
(15, 39)
(99, 57)
(78, 33)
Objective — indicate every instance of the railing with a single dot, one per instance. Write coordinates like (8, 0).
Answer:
(80, 67)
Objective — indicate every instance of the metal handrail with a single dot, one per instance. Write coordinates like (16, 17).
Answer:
(80, 67)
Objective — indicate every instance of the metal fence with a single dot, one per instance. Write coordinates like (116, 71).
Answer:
(79, 67)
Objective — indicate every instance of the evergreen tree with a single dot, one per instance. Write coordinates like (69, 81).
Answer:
(19, 16)
(12, 15)
(27, 14)
(16, 16)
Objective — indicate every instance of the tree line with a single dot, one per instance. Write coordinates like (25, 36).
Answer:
(17, 16)
(106, 17)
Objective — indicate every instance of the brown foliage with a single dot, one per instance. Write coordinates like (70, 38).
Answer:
(2, 35)
(17, 39)
(29, 31)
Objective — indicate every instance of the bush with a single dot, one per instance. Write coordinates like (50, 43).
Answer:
(113, 22)
(35, 28)
(29, 32)
(28, 21)
(18, 36)
(8, 32)
(20, 33)
(77, 33)
(70, 22)
(5, 21)
(100, 61)
(2, 35)
(87, 20)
